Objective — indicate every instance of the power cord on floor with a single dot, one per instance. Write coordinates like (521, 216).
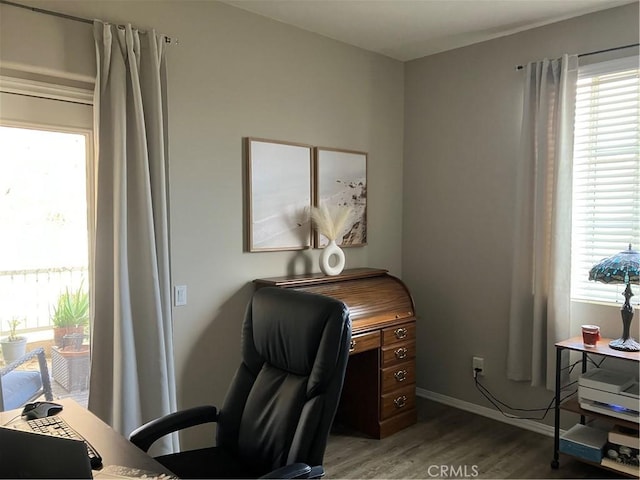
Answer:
(498, 404)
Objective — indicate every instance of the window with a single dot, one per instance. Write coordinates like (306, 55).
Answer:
(606, 172)
(45, 160)
(44, 213)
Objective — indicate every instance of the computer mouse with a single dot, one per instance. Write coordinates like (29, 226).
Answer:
(40, 409)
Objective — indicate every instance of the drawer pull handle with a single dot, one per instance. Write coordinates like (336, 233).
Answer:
(400, 333)
(401, 353)
(400, 375)
(352, 346)
(400, 401)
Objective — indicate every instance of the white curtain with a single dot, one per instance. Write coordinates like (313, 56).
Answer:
(540, 297)
(132, 373)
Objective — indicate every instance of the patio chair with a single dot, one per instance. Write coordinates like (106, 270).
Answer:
(18, 387)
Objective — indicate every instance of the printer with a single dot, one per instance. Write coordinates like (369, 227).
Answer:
(611, 393)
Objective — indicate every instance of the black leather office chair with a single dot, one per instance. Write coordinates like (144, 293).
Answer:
(278, 411)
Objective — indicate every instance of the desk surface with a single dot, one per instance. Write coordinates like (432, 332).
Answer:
(112, 447)
(601, 348)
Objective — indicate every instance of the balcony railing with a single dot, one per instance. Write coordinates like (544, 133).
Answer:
(31, 295)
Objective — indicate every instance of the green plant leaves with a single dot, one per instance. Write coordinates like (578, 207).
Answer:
(72, 309)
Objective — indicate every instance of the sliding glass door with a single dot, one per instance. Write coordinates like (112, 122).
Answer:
(45, 162)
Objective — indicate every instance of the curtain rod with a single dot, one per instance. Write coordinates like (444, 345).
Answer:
(68, 17)
(613, 49)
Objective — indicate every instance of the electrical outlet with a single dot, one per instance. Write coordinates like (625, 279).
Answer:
(478, 366)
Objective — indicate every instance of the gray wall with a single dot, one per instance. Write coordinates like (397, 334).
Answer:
(462, 116)
(445, 228)
(234, 74)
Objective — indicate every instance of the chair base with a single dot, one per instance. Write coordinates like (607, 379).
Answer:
(207, 463)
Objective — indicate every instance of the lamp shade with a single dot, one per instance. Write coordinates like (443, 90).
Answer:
(623, 267)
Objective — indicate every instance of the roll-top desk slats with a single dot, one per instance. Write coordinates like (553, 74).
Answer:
(378, 396)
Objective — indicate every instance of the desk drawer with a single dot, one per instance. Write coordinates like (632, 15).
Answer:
(399, 401)
(398, 353)
(397, 376)
(399, 333)
(364, 342)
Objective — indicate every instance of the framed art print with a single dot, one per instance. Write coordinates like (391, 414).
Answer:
(341, 180)
(279, 194)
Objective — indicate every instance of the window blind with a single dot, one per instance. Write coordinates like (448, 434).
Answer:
(606, 173)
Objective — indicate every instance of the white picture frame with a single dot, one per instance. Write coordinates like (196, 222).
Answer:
(279, 195)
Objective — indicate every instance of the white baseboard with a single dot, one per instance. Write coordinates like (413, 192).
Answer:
(486, 412)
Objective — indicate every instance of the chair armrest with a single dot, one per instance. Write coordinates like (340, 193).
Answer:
(23, 359)
(296, 470)
(317, 472)
(44, 374)
(144, 436)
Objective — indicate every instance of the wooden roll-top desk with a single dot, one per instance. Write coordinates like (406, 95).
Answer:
(379, 394)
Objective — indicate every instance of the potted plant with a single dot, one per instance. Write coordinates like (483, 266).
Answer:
(13, 346)
(70, 314)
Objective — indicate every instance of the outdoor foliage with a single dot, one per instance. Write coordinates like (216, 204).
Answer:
(72, 309)
(13, 326)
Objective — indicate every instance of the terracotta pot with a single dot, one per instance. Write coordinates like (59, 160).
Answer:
(82, 352)
(60, 332)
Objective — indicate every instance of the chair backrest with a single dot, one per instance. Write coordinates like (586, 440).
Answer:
(283, 398)
(19, 386)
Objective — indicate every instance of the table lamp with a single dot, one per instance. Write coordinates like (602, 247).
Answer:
(621, 268)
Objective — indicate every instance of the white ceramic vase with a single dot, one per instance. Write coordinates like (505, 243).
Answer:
(332, 250)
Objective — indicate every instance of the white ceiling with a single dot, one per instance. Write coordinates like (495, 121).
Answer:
(408, 29)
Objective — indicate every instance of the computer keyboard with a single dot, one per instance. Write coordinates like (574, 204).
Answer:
(56, 426)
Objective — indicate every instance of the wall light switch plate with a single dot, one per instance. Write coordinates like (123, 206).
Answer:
(180, 295)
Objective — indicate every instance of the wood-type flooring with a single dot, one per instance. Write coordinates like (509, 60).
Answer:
(450, 443)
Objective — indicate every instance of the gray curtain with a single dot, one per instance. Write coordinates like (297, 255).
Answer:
(132, 372)
(541, 277)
